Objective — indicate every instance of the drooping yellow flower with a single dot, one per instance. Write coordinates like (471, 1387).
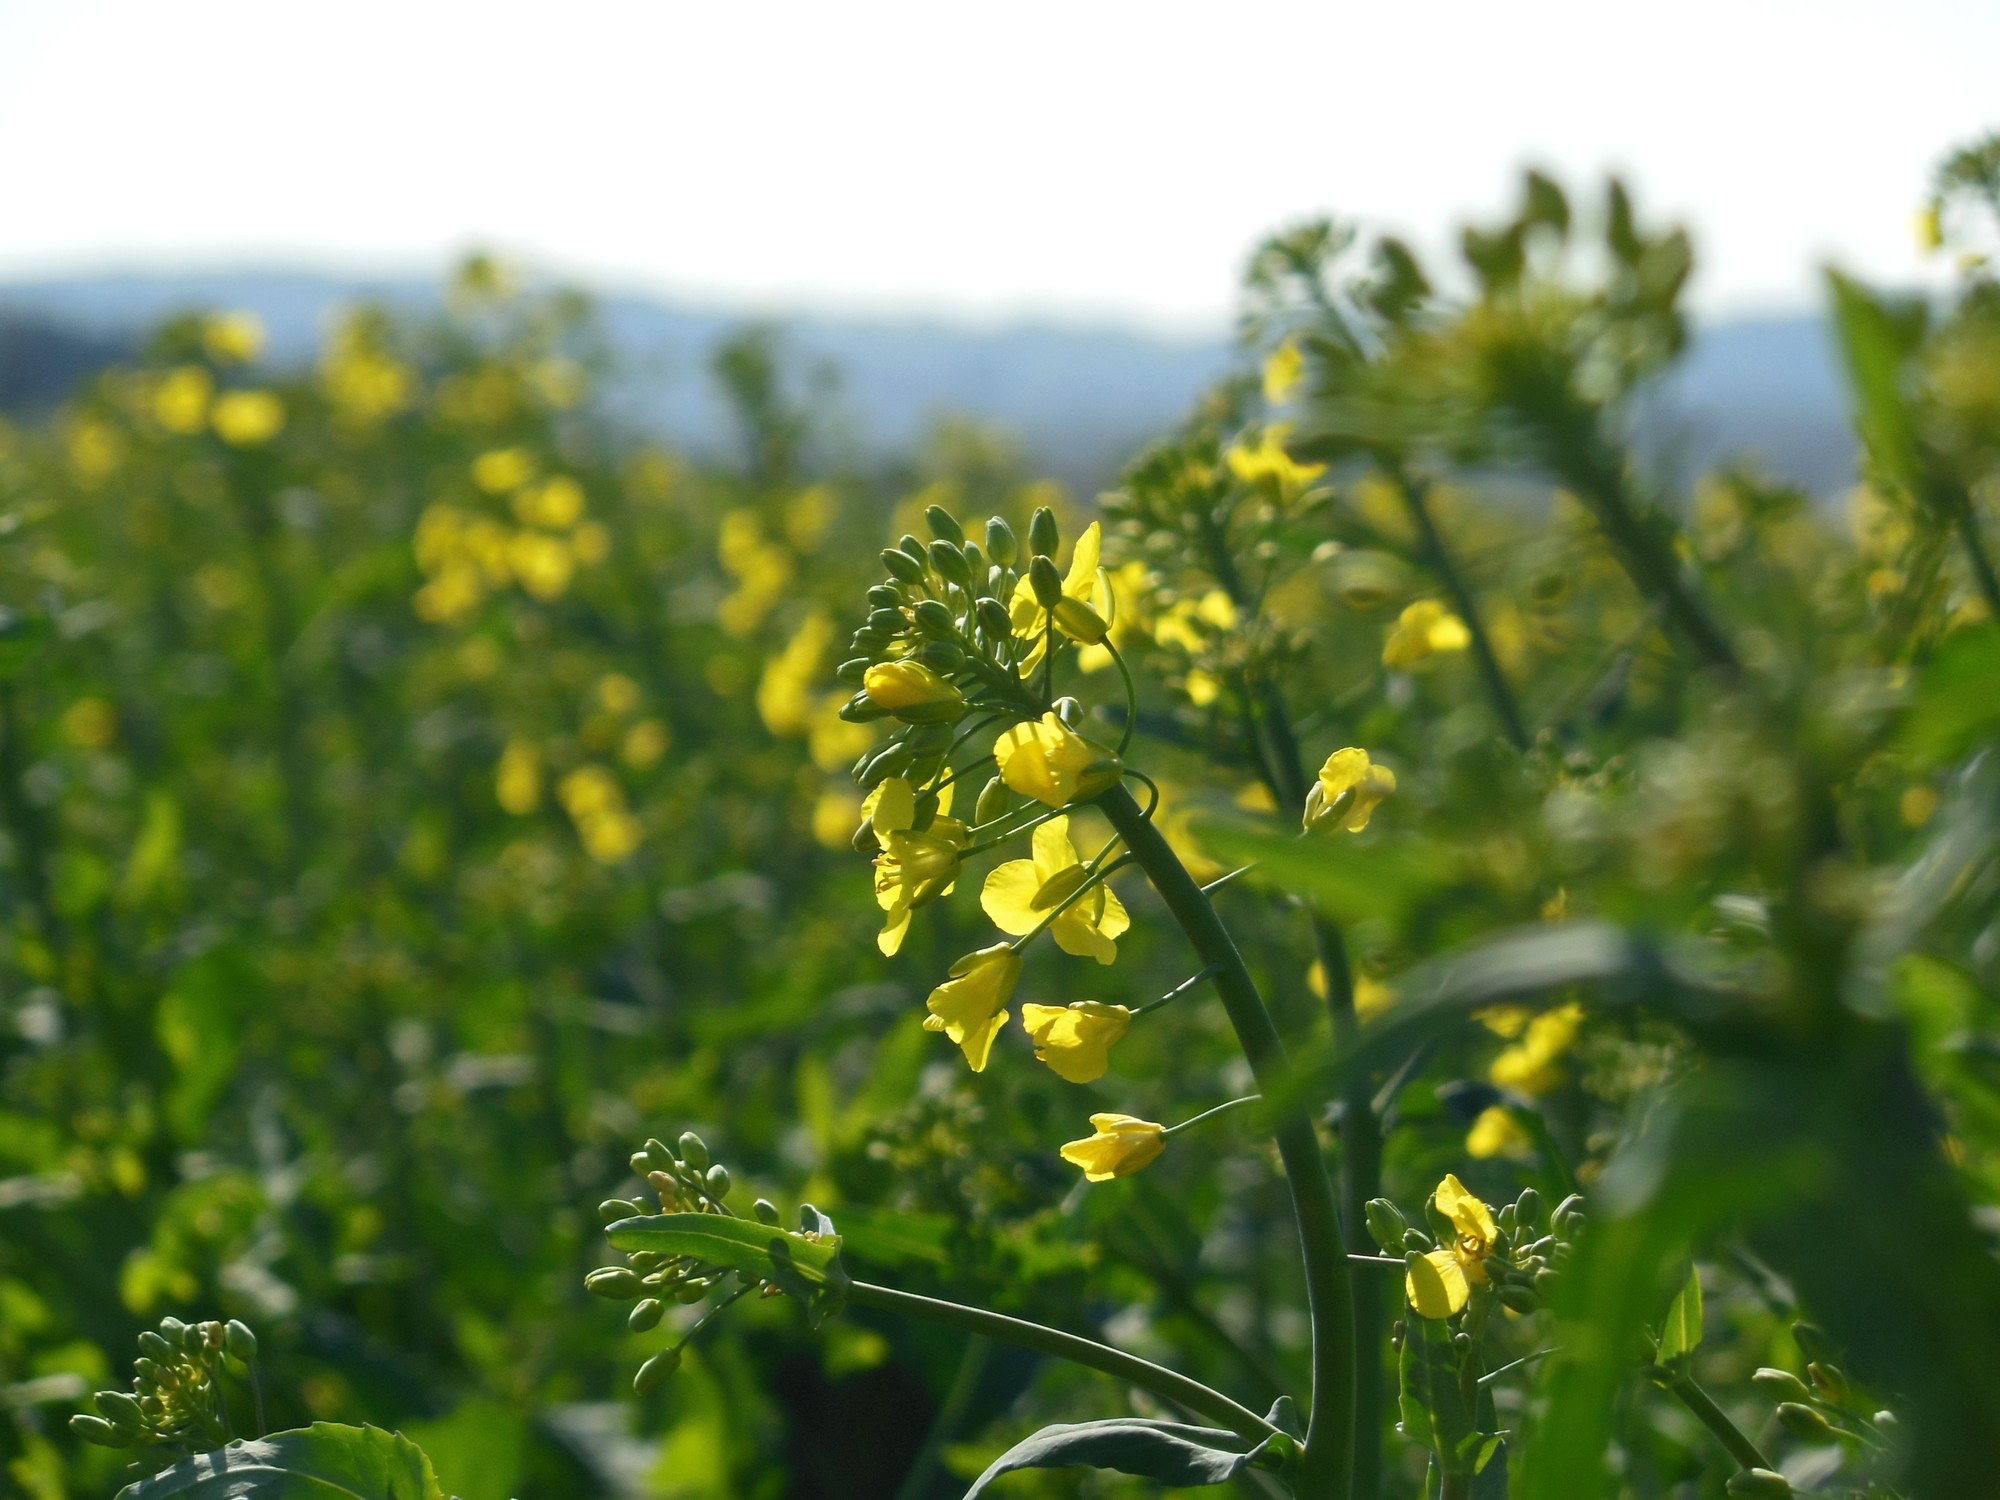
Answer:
(1020, 894)
(1086, 583)
(1048, 761)
(246, 419)
(1529, 1066)
(1497, 1133)
(1453, 1269)
(1122, 1145)
(1284, 372)
(1423, 630)
(912, 692)
(1267, 459)
(1075, 1040)
(1349, 789)
(914, 868)
(971, 1006)
(517, 781)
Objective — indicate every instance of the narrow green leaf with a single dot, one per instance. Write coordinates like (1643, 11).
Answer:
(1682, 1334)
(326, 1461)
(1170, 1453)
(742, 1244)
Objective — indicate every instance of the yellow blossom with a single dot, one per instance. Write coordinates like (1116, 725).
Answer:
(591, 543)
(543, 564)
(1349, 789)
(1122, 1145)
(503, 469)
(1086, 582)
(95, 449)
(596, 804)
(916, 866)
(912, 692)
(617, 693)
(554, 506)
(517, 782)
(1497, 1133)
(1456, 1268)
(1048, 761)
(234, 337)
(1424, 629)
(1529, 1066)
(363, 381)
(645, 743)
(246, 419)
(1075, 1040)
(1020, 894)
(181, 403)
(1267, 459)
(971, 1006)
(834, 815)
(1284, 372)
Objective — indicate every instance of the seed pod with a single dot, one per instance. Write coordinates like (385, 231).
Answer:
(1831, 1382)
(852, 670)
(645, 1314)
(96, 1430)
(718, 1181)
(1046, 582)
(1043, 537)
(1780, 1385)
(933, 617)
(1386, 1224)
(943, 524)
(611, 1210)
(1527, 1208)
(902, 566)
(885, 596)
(120, 1410)
(240, 1341)
(156, 1347)
(1758, 1484)
(654, 1372)
(994, 620)
(766, 1212)
(948, 562)
(1000, 543)
(613, 1283)
(1803, 1423)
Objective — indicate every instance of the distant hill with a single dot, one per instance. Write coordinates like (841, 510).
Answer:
(1080, 399)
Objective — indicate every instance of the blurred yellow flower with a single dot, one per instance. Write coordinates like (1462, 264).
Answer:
(363, 381)
(1453, 1269)
(1267, 459)
(502, 469)
(1284, 372)
(646, 742)
(517, 781)
(1020, 894)
(1497, 1133)
(763, 572)
(1529, 1066)
(595, 802)
(786, 699)
(971, 1006)
(559, 380)
(233, 337)
(1191, 623)
(95, 450)
(1121, 1146)
(591, 543)
(617, 693)
(1349, 789)
(555, 505)
(246, 419)
(543, 564)
(1075, 1040)
(453, 593)
(1371, 995)
(1046, 760)
(181, 402)
(1424, 629)
(90, 724)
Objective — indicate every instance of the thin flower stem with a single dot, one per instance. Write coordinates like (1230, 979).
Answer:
(726, 1303)
(1210, 1114)
(1326, 1467)
(1169, 1385)
(1377, 1260)
(1132, 696)
(1221, 880)
(1153, 790)
(1179, 990)
(1507, 1369)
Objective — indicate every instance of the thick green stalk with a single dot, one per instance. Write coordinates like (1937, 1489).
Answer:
(1326, 1472)
(1169, 1385)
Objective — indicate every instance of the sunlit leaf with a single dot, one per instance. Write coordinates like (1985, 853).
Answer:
(326, 1461)
(1169, 1453)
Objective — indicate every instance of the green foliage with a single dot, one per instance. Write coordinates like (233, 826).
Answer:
(325, 1461)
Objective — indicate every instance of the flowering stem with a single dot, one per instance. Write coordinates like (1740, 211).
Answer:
(1168, 1385)
(1181, 989)
(1210, 1114)
(1132, 696)
(1325, 1472)
(1682, 1387)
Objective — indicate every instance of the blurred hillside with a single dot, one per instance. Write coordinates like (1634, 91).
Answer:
(1080, 399)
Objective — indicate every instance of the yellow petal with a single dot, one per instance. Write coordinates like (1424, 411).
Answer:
(1054, 852)
(1009, 897)
(1122, 1145)
(1436, 1285)
(1081, 580)
(890, 938)
(1078, 935)
(892, 806)
(1467, 1212)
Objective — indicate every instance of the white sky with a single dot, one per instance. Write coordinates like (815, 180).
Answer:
(1078, 160)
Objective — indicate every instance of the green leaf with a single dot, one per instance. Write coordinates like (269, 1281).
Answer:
(1343, 876)
(1956, 708)
(1682, 1334)
(742, 1244)
(1878, 338)
(326, 1461)
(1170, 1453)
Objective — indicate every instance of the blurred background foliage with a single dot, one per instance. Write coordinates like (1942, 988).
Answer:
(416, 790)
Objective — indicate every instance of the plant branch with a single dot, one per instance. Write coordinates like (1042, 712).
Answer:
(1684, 1390)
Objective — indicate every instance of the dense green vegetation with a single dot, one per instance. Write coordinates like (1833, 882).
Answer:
(422, 803)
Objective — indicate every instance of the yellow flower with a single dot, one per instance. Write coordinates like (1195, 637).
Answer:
(1371, 995)
(591, 542)
(1454, 1269)
(517, 783)
(181, 403)
(1930, 228)
(543, 564)
(90, 723)
(1020, 894)
(1497, 1133)
(234, 337)
(503, 469)
(1423, 630)
(1052, 764)
(1284, 372)
(1349, 789)
(1529, 1066)
(1269, 460)
(914, 868)
(245, 419)
(1076, 1039)
(1086, 583)
(971, 1006)
(1123, 1144)
(645, 742)
(554, 506)
(596, 804)
(912, 692)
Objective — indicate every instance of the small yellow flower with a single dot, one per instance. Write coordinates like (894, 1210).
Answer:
(1122, 1145)
(971, 1006)
(1349, 789)
(234, 337)
(517, 782)
(1453, 1270)
(1529, 1066)
(1497, 1133)
(1086, 583)
(1284, 372)
(181, 403)
(543, 564)
(912, 692)
(503, 469)
(1267, 459)
(1424, 630)
(554, 506)
(246, 419)
(1046, 760)
(914, 869)
(645, 743)
(1020, 894)
(1076, 1039)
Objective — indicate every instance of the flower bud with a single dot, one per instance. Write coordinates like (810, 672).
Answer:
(1566, 1210)
(871, 642)
(1043, 537)
(949, 562)
(1099, 777)
(1518, 1298)
(240, 1341)
(654, 1372)
(1000, 543)
(885, 596)
(1803, 1423)
(669, 1189)
(659, 1155)
(1416, 1239)
(157, 1348)
(1812, 1341)
(120, 1410)
(96, 1430)
(943, 524)
(1079, 621)
(888, 621)
(1069, 710)
(1386, 1225)
(1527, 1208)
(691, 1293)
(907, 543)
(693, 1151)
(913, 692)
(1046, 582)
(992, 803)
(146, 1369)
(993, 620)
(902, 566)
(1758, 1484)
(766, 1212)
(645, 1314)
(611, 1210)
(934, 618)
(613, 1283)
(1546, 1282)
(862, 709)
(893, 760)
(172, 1328)
(1780, 1385)
(718, 1181)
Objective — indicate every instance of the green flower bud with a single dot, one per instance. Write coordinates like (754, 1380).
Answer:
(240, 1341)
(718, 1181)
(893, 761)
(993, 620)
(645, 1315)
(869, 641)
(1519, 1298)
(96, 1430)
(667, 1186)
(1831, 1382)
(910, 545)
(934, 618)
(120, 1410)
(693, 1151)
(1546, 1283)
(1527, 1208)
(641, 1163)
(1416, 1239)
(1386, 1225)
(943, 524)
(766, 1212)
(1043, 538)
(1812, 1341)
(1079, 621)
(1046, 582)
(852, 670)
(948, 562)
(1568, 1209)
(157, 1348)
(862, 709)
(902, 566)
(145, 1369)
(888, 621)
(1758, 1484)
(993, 801)
(885, 596)
(1000, 543)
(1803, 1423)
(611, 1210)
(659, 1155)
(172, 1329)
(654, 1372)
(1780, 1385)
(691, 1293)
(613, 1283)
(975, 560)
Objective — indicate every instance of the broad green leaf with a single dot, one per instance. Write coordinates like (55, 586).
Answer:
(326, 1461)
(1681, 1335)
(1956, 707)
(1170, 1453)
(743, 1244)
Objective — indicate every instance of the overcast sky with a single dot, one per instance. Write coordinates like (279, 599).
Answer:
(1078, 160)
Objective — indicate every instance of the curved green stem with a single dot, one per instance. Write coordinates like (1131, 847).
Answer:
(1684, 1390)
(1168, 1385)
(1326, 1469)
(1132, 697)
(1209, 1114)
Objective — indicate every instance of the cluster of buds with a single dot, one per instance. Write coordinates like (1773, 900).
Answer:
(1468, 1250)
(1827, 1406)
(177, 1399)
